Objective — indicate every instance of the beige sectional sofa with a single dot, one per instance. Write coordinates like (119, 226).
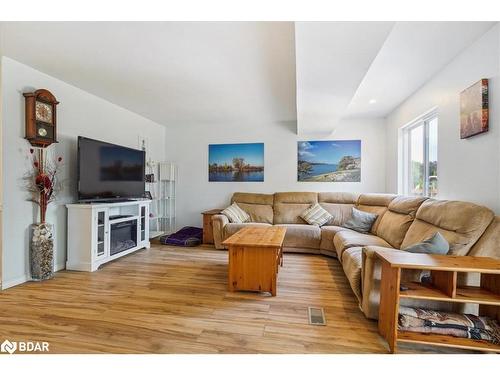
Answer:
(402, 221)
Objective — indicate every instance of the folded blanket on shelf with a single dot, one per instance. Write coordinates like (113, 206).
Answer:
(444, 323)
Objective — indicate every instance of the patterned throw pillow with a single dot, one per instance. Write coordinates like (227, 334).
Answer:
(436, 244)
(235, 214)
(316, 215)
(361, 221)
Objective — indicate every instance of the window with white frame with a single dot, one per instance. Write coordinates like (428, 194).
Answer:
(419, 164)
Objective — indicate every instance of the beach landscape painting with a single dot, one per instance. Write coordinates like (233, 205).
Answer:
(329, 161)
(239, 162)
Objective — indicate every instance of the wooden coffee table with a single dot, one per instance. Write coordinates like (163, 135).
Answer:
(255, 254)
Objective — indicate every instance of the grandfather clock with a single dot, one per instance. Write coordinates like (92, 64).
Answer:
(41, 118)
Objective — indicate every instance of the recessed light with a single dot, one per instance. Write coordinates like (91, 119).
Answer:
(372, 101)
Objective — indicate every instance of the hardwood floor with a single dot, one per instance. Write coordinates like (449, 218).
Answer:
(175, 300)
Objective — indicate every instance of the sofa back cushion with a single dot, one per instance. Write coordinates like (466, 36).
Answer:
(489, 243)
(236, 214)
(361, 221)
(339, 205)
(397, 219)
(375, 204)
(289, 206)
(258, 206)
(461, 223)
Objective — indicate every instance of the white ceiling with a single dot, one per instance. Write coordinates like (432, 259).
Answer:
(179, 73)
(174, 73)
(411, 55)
(332, 59)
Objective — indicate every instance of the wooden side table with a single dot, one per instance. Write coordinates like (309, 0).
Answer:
(208, 231)
(255, 255)
(444, 269)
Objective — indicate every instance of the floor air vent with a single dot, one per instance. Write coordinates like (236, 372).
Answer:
(316, 316)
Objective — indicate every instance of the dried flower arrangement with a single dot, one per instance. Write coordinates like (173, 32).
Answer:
(42, 184)
(42, 181)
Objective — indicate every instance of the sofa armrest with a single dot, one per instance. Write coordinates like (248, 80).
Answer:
(371, 273)
(370, 281)
(218, 224)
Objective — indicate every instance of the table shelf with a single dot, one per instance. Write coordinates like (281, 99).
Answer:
(443, 286)
(447, 341)
(464, 294)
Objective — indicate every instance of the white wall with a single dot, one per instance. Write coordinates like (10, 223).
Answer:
(188, 147)
(1, 137)
(468, 169)
(79, 113)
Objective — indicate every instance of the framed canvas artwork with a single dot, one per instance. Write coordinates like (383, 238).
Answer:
(239, 162)
(329, 161)
(474, 109)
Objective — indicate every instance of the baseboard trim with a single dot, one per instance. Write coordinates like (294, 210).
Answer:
(83, 266)
(21, 280)
(10, 283)
(60, 267)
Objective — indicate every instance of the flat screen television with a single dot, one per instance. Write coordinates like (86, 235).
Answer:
(109, 172)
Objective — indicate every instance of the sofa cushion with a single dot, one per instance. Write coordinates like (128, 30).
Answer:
(259, 213)
(258, 206)
(461, 223)
(301, 235)
(232, 228)
(436, 244)
(339, 205)
(349, 238)
(316, 215)
(375, 204)
(361, 221)
(289, 206)
(397, 219)
(351, 263)
(235, 214)
(253, 198)
(327, 234)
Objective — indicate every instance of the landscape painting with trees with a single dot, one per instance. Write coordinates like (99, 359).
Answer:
(242, 162)
(329, 161)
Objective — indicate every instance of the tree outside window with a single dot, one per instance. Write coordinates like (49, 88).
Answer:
(420, 159)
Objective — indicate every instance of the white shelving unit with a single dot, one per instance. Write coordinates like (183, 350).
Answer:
(163, 192)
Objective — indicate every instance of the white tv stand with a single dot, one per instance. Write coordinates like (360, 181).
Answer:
(101, 232)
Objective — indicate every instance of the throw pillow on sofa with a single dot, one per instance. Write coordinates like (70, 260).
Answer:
(436, 244)
(316, 215)
(361, 221)
(235, 214)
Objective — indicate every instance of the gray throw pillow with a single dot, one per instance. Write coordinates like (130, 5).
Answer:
(436, 244)
(360, 221)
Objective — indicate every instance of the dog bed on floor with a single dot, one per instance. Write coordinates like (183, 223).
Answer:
(187, 236)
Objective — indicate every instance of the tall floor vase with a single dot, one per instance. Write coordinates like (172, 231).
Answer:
(41, 252)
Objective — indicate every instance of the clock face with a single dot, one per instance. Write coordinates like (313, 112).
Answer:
(43, 112)
(42, 132)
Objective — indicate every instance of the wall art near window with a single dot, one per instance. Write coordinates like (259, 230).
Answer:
(474, 109)
(329, 161)
(243, 162)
